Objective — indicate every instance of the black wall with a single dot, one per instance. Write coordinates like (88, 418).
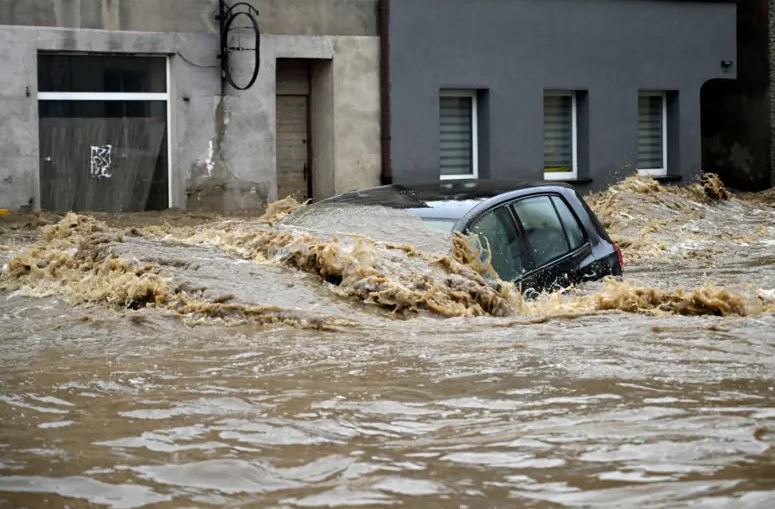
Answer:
(736, 130)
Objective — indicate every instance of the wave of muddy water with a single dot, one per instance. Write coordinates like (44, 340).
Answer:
(176, 361)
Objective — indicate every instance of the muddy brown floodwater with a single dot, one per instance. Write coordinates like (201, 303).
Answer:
(349, 358)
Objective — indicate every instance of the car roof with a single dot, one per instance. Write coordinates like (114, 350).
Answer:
(446, 199)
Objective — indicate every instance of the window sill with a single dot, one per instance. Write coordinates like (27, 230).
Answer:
(576, 181)
(667, 178)
(458, 177)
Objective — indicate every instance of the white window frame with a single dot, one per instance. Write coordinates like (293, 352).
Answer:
(128, 96)
(474, 132)
(657, 172)
(567, 175)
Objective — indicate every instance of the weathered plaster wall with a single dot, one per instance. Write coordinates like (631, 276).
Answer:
(322, 126)
(296, 17)
(357, 113)
(513, 50)
(247, 154)
(192, 91)
(18, 128)
(345, 109)
(223, 148)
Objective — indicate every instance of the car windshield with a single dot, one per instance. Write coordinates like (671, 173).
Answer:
(439, 224)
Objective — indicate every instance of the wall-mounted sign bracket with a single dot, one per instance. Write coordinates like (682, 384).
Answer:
(239, 32)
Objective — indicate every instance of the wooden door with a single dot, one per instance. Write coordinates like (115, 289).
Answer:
(293, 152)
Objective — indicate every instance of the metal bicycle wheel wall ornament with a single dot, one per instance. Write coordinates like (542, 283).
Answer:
(239, 33)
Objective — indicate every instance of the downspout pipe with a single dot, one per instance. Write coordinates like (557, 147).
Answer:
(384, 89)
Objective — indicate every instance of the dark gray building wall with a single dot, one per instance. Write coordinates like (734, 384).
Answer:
(297, 17)
(512, 50)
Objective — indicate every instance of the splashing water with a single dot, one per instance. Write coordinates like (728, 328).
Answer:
(214, 361)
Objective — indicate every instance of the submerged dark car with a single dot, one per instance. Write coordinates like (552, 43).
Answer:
(540, 236)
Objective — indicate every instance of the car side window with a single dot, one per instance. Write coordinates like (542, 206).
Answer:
(542, 228)
(572, 227)
(505, 243)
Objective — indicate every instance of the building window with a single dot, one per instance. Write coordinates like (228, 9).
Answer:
(560, 136)
(103, 132)
(459, 151)
(652, 133)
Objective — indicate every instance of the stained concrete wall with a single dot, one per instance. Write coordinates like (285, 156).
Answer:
(288, 17)
(322, 128)
(224, 151)
(356, 113)
(345, 118)
(193, 122)
(511, 51)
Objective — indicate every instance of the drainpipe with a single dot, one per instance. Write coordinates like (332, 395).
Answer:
(384, 88)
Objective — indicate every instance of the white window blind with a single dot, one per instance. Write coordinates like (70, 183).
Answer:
(457, 124)
(559, 135)
(651, 133)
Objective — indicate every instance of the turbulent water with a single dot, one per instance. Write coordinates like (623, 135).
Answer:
(350, 358)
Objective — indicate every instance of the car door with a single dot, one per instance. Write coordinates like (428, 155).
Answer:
(501, 239)
(554, 240)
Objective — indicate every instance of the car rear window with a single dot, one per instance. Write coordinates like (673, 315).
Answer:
(572, 228)
(542, 228)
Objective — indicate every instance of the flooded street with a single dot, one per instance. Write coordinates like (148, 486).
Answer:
(224, 362)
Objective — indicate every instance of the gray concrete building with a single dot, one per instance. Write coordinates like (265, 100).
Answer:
(582, 91)
(118, 105)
